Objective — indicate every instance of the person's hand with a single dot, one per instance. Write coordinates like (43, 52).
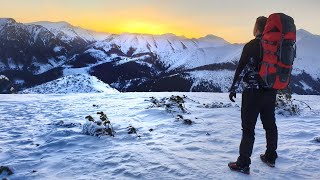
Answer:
(232, 95)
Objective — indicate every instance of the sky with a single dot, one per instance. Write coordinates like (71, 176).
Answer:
(232, 20)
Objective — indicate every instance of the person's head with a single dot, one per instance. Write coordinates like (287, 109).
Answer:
(259, 26)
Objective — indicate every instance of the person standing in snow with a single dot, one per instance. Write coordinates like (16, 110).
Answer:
(255, 100)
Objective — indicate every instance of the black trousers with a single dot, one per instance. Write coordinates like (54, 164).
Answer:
(255, 102)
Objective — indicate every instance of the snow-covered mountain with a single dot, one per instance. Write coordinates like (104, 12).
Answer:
(196, 67)
(35, 53)
(77, 83)
(67, 32)
(33, 48)
(168, 47)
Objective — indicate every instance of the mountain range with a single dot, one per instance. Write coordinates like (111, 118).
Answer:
(32, 54)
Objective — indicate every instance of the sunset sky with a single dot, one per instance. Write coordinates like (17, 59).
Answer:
(230, 19)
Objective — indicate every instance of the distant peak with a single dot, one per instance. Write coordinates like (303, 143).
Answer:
(7, 21)
(169, 35)
(212, 37)
(59, 23)
(303, 32)
(64, 23)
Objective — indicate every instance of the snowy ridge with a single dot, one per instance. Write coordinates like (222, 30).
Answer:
(76, 83)
(6, 21)
(173, 51)
(67, 32)
(166, 43)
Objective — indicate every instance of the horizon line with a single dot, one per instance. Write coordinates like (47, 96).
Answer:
(137, 33)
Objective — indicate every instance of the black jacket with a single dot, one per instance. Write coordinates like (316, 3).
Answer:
(252, 49)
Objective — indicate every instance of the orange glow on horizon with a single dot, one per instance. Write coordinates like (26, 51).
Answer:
(140, 20)
(155, 28)
(190, 18)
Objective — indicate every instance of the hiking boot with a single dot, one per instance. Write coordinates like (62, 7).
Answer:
(270, 163)
(235, 167)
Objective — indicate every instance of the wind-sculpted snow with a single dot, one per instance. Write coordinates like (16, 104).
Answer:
(41, 139)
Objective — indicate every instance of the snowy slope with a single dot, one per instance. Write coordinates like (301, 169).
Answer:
(203, 56)
(221, 79)
(308, 58)
(68, 32)
(6, 21)
(32, 48)
(173, 50)
(76, 83)
(37, 145)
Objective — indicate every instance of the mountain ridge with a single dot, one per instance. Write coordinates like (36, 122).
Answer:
(32, 54)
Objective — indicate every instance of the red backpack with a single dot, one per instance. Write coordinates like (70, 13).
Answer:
(279, 51)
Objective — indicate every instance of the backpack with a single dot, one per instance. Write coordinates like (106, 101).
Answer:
(279, 50)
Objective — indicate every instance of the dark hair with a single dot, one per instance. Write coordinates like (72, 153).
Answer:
(261, 23)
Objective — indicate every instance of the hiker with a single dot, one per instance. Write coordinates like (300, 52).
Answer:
(256, 99)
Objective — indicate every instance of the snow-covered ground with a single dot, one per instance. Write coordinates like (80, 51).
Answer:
(37, 145)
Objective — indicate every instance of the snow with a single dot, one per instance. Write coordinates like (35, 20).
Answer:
(305, 86)
(166, 43)
(210, 39)
(221, 78)
(72, 71)
(307, 59)
(5, 21)
(43, 67)
(174, 51)
(11, 64)
(75, 83)
(68, 32)
(126, 60)
(98, 54)
(35, 31)
(57, 49)
(52, 63)
(301, 34)
(202, 56)
(19, 81)
(3, 77)
(36, 145)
